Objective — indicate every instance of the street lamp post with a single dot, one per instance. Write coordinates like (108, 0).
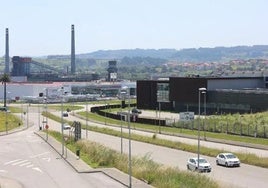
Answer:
(122, 95)
(129, 141)
(105, 112)
(205, 113)
(121, 129)
(39, 126)
(62, 140)
(6, 121)
(27, 115)
(159, 118)
(86, 117)
(200, 90)
(129, 138)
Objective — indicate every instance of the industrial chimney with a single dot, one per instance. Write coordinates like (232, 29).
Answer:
(72, 52)
(7, 53)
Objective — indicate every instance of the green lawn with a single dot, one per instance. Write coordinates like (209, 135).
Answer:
(176, 130)
(244, 157)
(8, 121)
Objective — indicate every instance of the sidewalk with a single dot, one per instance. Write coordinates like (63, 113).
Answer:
(9, 183)
(81, 167)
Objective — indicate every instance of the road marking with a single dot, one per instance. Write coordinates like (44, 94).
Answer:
(46, 159)
(21, 163)
(37, 169)
(34, 156)
(3, 171)
(7, 163)
(29, 166)
(16, 163)
(24, 164)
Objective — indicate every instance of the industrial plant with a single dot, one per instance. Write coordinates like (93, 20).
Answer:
(31, 77)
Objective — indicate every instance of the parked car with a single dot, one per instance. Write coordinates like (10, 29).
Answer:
(65, 114)
(66, 126)
(227, 159)
(136, 111)
(204, 165)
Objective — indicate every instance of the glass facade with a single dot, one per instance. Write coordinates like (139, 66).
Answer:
(162, 92)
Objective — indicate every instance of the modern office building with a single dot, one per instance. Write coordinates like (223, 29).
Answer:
(181, 94)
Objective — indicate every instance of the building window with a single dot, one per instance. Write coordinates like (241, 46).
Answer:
(162, 92)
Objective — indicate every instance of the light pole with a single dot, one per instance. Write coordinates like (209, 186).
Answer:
(27, 107)
(129, 141)
(62, 140)
(129, 138)
(21, 115)
(205, 113)
(86, 117)
(39, 126)
(121, 129)
(159, 118)
(122, 95)
(200, 90)
(6, 121)
(105, 107)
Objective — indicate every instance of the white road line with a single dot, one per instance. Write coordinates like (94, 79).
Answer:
(16, 163)
(31, 165)
(3, 171)
(37, 169)
(24, 164)
(40, 154)
(7, 163)
(46, 159)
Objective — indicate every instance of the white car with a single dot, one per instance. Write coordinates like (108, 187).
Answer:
(66, 126)
(65, 114)
(227, 159)
(204, 166)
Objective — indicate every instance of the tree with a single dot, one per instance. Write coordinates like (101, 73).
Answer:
(4, 79)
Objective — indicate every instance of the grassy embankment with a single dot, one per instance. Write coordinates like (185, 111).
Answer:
(142, 168)
(13, 122)
(244, 157)
(8, 121)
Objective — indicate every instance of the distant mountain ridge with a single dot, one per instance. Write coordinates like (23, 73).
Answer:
(119, 54)
(222, 53)
(184, 55)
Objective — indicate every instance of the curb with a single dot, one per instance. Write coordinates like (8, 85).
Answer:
(81, 167)
(9, 183)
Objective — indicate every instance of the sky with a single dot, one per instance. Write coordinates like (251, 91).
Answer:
(43, 27)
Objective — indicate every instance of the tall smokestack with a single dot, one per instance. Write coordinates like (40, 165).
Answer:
(72, 52)
(7, 53)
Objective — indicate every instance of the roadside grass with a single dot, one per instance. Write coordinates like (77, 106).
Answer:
(8, 121)
(143, 168)
(110, 101)
(247, 158)
(14, 109)
(174, 130)
(66, 107)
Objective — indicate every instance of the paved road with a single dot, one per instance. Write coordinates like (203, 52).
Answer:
(226, 147)
(31, 162)
(245, 176)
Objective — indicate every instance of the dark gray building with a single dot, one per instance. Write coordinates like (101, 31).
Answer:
(112, 71)
(228, 94)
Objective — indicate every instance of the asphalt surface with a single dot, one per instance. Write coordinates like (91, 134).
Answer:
(81, 167)
(32, 162)
(245, 176)
(72, 159)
